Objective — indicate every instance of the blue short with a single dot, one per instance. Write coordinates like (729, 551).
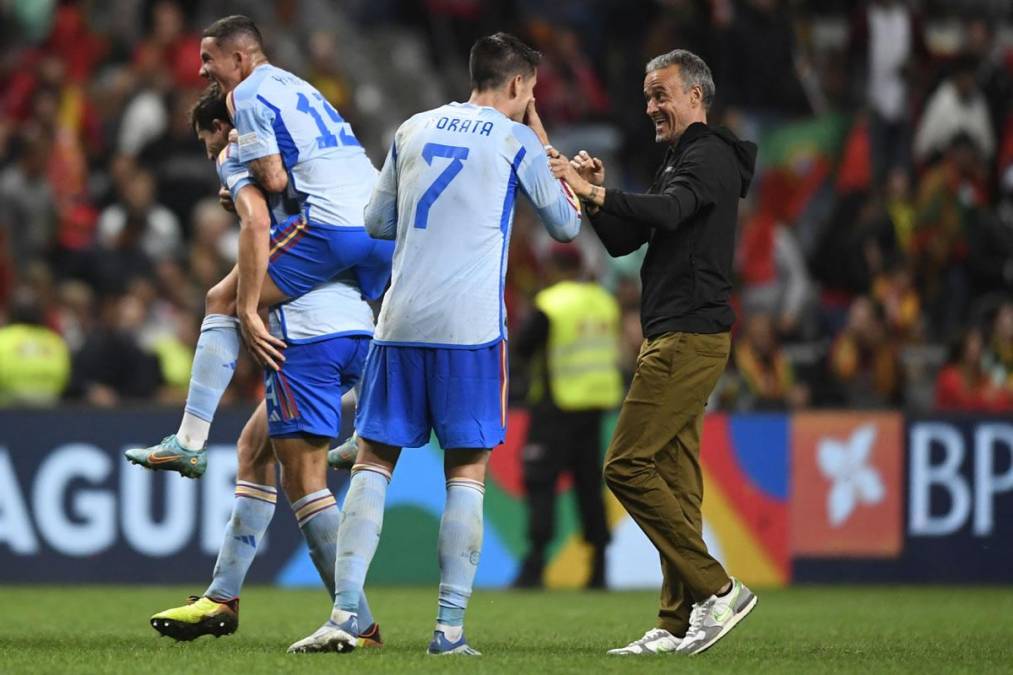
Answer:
(408, 392)
(305, 254)
(304, 397)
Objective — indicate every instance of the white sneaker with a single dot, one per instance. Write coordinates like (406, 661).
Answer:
(714, 617)
(655, 641)
(333, 636)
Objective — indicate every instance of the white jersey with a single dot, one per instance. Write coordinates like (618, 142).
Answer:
(334, 309)
(330, 175)
(446, 193)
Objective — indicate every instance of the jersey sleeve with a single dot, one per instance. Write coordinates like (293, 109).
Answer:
(553, 200)
(255, 123)
(233, 175)
(380, 214)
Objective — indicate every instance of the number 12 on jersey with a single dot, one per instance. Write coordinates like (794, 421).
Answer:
(456, 155)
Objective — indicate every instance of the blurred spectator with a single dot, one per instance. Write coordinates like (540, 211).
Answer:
(324, 72)
(863, 359)
(949, 193)
(169, 44)
(886, 42)
(999, 357)
(75, 313)
(957, 107)
(176, 159)
(900, 210)
(214, 243)
(34, 360)
(111, 366)
(995, 62)
(894, 291)
(568, 90)
(775, 278)
(29, 215)
(138, 222)
(964, 384)
(991, 244)
(766, 376)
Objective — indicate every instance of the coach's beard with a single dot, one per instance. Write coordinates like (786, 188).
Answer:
(664, 130)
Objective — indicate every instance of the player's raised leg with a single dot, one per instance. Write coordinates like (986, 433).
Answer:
(217, 611)
(214, 363)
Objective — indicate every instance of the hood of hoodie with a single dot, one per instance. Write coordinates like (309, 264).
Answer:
(745, 151)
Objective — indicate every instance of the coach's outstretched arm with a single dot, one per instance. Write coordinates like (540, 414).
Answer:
(380, 213)
(557, 209)
(689, 191)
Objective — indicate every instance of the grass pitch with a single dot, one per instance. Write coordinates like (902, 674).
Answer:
(807, 630)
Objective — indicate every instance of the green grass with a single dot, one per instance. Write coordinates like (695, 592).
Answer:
(867, 630)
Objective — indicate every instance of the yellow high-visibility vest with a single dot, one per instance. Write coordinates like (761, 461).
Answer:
(582, 351)
(34, 365)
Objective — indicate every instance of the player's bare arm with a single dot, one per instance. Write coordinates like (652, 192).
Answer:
(269, 172)
(254, 250)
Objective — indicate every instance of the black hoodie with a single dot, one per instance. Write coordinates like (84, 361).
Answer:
(688, 217)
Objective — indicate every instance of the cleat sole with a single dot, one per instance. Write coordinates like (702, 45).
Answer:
(184, 632)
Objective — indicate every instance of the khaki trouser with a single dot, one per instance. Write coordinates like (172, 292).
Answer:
(653, 463)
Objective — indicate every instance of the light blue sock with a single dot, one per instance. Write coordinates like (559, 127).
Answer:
(251, 514)
(214, 362)
(358, 536)
(460, 544)
(319, 518)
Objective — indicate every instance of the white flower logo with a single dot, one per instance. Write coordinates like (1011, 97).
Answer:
(853, 481)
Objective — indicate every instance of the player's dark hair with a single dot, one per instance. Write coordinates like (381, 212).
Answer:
(232, 27)
(497, 58)
(210, 106)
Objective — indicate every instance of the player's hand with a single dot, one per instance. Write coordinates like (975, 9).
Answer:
(590, 168)
(225, 199)
(562, 168)
(264, 347)
(532, 119)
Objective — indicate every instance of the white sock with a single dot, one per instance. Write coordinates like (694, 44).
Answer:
(193, 432)
(452, 633)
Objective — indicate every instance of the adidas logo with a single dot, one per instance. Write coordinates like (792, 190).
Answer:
(275, 417)
(246, 539)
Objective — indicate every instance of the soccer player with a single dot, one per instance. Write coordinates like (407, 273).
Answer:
(328, 331)
(298, 149)
(438, 362)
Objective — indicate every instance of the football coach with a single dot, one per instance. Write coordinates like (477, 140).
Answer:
(687, 219)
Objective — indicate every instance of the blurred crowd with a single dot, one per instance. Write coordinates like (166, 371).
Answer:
(875, 253)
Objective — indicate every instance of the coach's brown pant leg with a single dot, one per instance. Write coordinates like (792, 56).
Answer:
(678, 465)
(676, 372)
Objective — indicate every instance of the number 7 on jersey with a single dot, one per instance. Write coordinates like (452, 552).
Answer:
(456, 155)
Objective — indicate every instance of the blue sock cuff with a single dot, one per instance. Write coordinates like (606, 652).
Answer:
(219, 321)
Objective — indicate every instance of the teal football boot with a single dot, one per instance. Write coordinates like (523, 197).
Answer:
(169, 455)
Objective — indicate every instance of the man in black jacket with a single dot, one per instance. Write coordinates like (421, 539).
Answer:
(688, 220)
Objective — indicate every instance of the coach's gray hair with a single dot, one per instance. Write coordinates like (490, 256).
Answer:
(692, 68)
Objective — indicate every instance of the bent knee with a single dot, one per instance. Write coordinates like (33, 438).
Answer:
(616, 473)
(219, 301)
